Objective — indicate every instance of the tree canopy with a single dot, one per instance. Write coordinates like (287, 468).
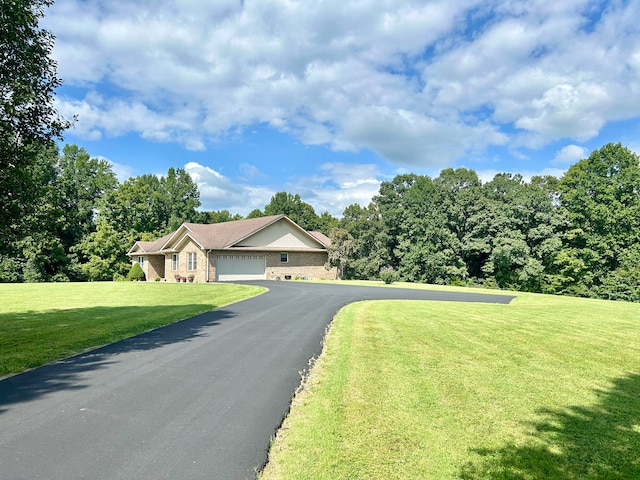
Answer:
(29, 121)
(577, 235)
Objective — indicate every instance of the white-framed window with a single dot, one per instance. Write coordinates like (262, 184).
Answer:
(175, 259)
(141, 262)
(284, 257)
(192, 261)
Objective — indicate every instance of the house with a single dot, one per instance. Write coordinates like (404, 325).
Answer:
(265, 248)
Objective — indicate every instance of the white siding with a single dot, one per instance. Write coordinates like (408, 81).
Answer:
(280, 235)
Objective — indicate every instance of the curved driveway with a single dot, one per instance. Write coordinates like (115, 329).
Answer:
(197, 399)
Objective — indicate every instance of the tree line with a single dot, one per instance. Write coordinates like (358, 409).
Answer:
(576, 235)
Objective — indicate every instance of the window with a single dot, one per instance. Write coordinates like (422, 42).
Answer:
(191, 261)
(284, 258)
(141, 262)
(174, 261)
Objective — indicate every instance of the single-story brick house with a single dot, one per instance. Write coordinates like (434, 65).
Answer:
(265, 248)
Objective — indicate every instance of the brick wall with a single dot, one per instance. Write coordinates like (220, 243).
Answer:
(199, 273)
(153, 266)
(300, 264)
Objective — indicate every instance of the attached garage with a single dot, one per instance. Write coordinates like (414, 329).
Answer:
(233, 268)
(258, 248)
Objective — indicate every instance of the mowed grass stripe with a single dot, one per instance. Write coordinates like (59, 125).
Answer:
(40, 323)
(547, 387)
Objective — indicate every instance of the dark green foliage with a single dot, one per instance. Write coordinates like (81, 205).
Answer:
(104, 252)
(255, 213)
(388, 275)
(370, 250)
(10, 269)
(600, 198)
(220, 216)
(293, 207)
(326, 223)
(340, 250)
(29, 121)
(136, 273)
(575, 236)
(81, 223)
(81, 182)
(61, 215)
(152, 204)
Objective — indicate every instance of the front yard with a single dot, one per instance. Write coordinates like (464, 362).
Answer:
(547, 387)
(43, 322)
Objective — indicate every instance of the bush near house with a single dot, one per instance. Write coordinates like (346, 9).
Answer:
(136, 273)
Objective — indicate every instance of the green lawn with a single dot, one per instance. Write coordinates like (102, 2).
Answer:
(545, 388)
(40, 322)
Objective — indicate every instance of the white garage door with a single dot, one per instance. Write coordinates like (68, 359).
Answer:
(240, 267)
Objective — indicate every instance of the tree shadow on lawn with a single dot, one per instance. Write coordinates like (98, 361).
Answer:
(596, 442)
(67, 374)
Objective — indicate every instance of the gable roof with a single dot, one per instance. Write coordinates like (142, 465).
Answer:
(224, 235)
(218, 236)
(149, 247)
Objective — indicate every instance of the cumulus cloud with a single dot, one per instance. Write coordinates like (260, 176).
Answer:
(215, 188)
(332, 188)
(337, 185)
(570, 154)
(419, 83)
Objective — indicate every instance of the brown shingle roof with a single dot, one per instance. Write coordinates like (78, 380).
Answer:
(218, 235)
(154, 246)
(221, 235)
(322, 238)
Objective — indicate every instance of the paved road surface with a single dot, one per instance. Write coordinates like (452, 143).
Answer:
(197, 399)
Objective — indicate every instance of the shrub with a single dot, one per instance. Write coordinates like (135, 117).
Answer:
(10, 270)
(135, 273)
(388, 275)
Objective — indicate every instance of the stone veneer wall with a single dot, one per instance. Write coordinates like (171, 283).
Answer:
(301, 264)
(200, 273)
(153, 266)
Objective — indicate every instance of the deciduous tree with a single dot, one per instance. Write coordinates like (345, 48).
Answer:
(29, 121)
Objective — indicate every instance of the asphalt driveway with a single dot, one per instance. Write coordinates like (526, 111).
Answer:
(197, 399)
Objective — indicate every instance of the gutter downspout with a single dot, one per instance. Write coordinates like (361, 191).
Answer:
(208, 265)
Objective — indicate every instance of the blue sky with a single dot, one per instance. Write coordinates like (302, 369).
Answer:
(327, 99)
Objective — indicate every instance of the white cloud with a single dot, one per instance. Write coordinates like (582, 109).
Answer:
(570, 154)
(338, 185)
(334, 187)
(217, 192)
(409, 80)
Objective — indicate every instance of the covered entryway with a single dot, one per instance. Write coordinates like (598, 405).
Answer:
(240, 267)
